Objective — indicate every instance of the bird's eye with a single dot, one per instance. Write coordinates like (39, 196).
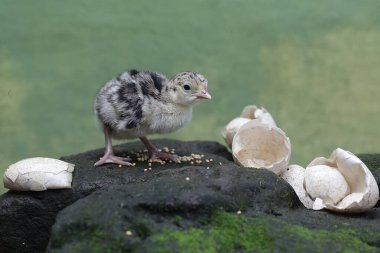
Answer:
(186, 87)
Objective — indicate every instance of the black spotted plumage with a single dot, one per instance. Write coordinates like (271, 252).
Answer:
(131, 124)
(133, 72)
(126, 94)
(146, 88)
(157, 81)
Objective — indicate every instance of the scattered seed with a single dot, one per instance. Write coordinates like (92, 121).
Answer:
(207, 168)
(145, 169)
(191, 162)
(120, 165)
(187, 179)
(128, 233)
(196, 156)
(220, 163)
(149, 168)
(238, 212)
(207, 160)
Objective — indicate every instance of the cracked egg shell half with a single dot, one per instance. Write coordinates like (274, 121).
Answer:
(341, 183)
(38, 174)
(260, 145)
(249, 113)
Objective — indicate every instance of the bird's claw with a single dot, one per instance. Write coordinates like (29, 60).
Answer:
(164, 156)
(114, 159)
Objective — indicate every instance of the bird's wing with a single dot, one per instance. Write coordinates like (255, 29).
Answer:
(151, 83)
(122, 99)
(127, 102)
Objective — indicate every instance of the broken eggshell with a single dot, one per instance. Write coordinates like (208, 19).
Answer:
(258, 113)
(295, 176)
(249, 113)
(260, 145)
(327, 183)
(342, 183)
(231, 129)
(38, 174)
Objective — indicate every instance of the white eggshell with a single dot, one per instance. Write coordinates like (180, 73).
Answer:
(259, 145)
(249, 113)
(327, 183)
(258, 113)
(364, 192)
(295, 175)
(230, 130)
(38, 174)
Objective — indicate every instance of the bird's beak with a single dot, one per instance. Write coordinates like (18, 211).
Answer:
(204, 95)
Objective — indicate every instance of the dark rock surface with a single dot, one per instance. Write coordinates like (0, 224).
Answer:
(167, 202)
(168, 213)
(179, 208)
(26, 217)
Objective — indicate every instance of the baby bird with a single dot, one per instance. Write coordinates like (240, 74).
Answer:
(139, 103)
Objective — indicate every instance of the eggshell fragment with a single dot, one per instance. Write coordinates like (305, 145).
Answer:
(327, 183)
(231, 129)
(38, 174)
(259, 145)
(295, 176)
(364, 192)
(258, 113)
(249, 113)
(341, 183)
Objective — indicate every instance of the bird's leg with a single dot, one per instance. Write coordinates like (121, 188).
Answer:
(154, 153)
(109, 156)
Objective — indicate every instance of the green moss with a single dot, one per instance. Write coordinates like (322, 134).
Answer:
(140, 227)
(223, 232)
(341, 240)
(100, 236)
(230, 233)
(87, 239)
(188, 241)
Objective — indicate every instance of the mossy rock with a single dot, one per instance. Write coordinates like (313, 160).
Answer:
(178, 199)
(221, 209)
(179, 208)
(26, 218)
(228, 232)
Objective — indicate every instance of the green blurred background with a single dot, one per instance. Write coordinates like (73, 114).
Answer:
(315, 65)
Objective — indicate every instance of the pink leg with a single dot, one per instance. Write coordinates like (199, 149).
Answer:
(155, 154)
(109, 156)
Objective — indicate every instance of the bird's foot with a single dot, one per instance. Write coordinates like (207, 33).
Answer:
(108, 158)
(163, 156)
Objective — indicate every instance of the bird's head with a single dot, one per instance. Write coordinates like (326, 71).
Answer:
(189, 88)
